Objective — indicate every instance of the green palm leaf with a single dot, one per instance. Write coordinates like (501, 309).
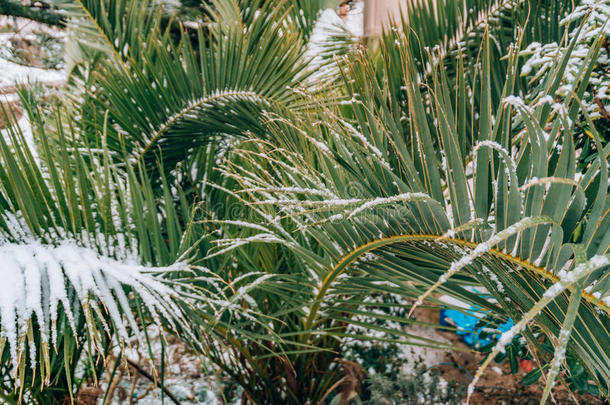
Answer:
(87, 260)
(428, 216)
(171, 98)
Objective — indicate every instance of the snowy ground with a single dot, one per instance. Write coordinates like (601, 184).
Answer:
(13, 74)
(186, 377)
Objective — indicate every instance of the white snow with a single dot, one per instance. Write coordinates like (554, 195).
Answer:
(507, 337)
(36, 279)
(388, 200)
(590, 21)
(329, 24)
(13, 73)
(516, 102)
(354, 20)
(566, 279)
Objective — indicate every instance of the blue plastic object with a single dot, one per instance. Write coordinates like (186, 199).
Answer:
(466, 324)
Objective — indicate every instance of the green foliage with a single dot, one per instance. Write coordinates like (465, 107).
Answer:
(171, 98)
(73, 234)
(293, 203)
(42, 11)
(587, 24)
(383, 357)
(575, 374)
(421, 387)
(420, 177)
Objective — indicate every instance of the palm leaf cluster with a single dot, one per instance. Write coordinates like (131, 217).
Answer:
(421, 216)
(77, 245)
(196, 91)
(449, 34)
(208, 183)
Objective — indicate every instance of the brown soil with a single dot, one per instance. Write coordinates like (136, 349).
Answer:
(28, 50)
(493, 388)
(9, 112)
(88, 396)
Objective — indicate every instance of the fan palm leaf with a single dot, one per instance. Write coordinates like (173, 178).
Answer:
(398, 199)
(449, 33)
(173, 97)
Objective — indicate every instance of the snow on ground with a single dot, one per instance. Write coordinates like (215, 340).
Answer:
(187, 376)
(13, 74)
(8, 97)
(429, 356)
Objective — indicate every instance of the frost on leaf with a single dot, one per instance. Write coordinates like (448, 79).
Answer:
(41, 281)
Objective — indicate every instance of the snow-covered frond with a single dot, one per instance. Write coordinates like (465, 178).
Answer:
(43, 282)
(406, 197)
(590, 23)
(480, 250)
(473, 28)
(329, 39)
(227, 245)
(195, 108)
(293, 190)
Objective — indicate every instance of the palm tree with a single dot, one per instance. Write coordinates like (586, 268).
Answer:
(444, 201)
(270, 207)
(114, 217)
(86, 267)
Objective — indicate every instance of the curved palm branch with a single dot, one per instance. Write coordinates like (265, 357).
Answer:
(169, 98)
(398, 199)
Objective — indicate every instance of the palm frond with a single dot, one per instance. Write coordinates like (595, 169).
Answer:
(432, 216)
(447, 35)
(86, 257)
(170, 98)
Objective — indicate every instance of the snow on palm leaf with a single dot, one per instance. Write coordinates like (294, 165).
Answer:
(38, 279)
(590, 22)
(502, 213)
(84, 253)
